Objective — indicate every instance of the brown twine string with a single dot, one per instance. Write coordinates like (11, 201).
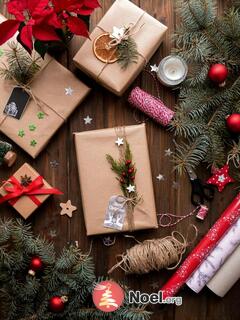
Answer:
(115, 43)
(155, 254)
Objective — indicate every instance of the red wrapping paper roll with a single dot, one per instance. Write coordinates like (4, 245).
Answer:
(201, 251)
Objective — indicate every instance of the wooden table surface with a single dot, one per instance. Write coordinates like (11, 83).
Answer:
(108, 110)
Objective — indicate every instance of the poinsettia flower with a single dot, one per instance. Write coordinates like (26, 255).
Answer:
(68, 11)
(33, 19)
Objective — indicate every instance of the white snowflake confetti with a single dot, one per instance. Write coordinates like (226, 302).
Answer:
(175, 185)
(109, 241)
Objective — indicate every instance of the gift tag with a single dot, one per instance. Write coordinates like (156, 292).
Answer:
(115, 213)
(17, 103)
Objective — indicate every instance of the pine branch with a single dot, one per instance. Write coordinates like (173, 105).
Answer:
(127, 53)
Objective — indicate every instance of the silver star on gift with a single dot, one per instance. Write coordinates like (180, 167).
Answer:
(119, 142)
(168, 152)
(69, 91)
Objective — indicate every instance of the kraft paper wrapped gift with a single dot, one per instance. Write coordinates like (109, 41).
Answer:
(148, 34)
(98, 182)
(59, 90)
(26, 198)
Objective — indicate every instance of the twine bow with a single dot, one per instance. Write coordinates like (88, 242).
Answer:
(17, 190)
(131, 203)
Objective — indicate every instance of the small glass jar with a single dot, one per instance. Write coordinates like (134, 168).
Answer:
(172, 71)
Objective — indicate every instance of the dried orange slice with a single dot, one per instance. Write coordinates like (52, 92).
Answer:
(102, 51)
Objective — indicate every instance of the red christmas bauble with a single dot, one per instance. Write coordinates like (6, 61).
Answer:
(57, 304)
(233, 123)
(128, 162)
(35, 265)
(218, 73)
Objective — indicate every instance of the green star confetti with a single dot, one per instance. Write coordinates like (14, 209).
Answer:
(32, 127)
(1, 52)
(41, 115)
(21, 133)
(33, 143)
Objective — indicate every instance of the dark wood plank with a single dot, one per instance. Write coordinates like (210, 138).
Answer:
(108, 110)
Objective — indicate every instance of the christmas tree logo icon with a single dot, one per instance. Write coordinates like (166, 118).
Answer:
(108, 296)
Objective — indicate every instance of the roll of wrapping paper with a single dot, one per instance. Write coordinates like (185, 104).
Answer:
(152, 106)
(211, 264)
(201, 251)
(227, 275)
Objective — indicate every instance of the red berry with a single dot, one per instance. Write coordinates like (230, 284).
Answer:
(133, 178)
(124, 174)
(128, 162)
(122, 180)
(130, 171)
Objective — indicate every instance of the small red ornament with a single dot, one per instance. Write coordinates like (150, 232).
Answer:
(124, 174)
(218, 73)
(35, 265)
(233, 123)
(221, 178)
(128, 162)
(57, 304)
(122, 180)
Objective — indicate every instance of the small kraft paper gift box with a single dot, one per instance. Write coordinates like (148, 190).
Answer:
(116, 180)
(31, 118)
(26, 190)
(124, 31)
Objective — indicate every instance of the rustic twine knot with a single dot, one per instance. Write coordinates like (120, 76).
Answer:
(155, 254)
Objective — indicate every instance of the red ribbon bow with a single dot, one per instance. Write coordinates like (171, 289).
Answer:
(34, 188)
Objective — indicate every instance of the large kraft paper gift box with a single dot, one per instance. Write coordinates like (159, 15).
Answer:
(98, 182)
(148, 34)
(60, 93)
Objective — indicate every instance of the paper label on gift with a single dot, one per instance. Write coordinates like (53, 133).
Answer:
(115, 213)
(17, 103)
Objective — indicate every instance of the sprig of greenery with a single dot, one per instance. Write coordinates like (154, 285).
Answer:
(127, 53)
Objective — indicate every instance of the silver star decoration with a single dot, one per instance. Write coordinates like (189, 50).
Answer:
(168, 152)
(160, 177)
(221, 178)
(54, 163)
(119, 142)
(130, 188)
(109, 241)
(87, 120)
(154, 285)
(69, 91)
(154, 68)
(175, 185)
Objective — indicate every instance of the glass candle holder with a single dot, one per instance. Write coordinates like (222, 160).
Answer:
(172, 71)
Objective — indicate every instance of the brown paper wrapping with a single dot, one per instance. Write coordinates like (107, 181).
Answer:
(98, 182)
(25, 206)
(48, 85)
(148, 39)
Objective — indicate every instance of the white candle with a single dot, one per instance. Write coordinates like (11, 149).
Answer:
(172, 70)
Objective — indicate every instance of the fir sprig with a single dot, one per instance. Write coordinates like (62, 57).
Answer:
(127, 52)
(20, 67)
(204, 38)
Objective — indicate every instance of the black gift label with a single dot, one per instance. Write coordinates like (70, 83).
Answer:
(17, 103)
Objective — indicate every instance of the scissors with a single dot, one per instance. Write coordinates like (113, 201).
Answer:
(200, 190)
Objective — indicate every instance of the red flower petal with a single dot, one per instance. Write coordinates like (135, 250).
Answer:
(45, 33)
(26, 37)
(16, 8)
(77, 26)
(91, 3)
(8, 29)
(84, 11)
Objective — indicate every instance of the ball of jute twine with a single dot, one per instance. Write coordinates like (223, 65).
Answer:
(154, 254)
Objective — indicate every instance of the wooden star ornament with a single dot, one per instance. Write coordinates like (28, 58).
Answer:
(67, 208)
(221, 178)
